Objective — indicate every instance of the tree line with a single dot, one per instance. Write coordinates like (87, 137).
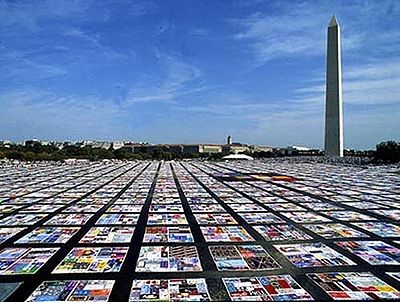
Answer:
(39, 152)
(386, 152)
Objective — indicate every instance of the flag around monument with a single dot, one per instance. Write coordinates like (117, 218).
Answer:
(334, 106)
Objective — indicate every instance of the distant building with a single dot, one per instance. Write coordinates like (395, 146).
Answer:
(261, 149)
(210, 149)
(118, 145)
(201, 149)
(101, 145)
(60, 145)
(235, 148)
(94, 144)
(6, 144)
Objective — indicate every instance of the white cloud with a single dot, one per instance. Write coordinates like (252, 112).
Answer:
(373, 83)
(28, 14)
(39, 113)
(79, 33)
(299, 28)
(19, 64)
(377, 69)
(137, 8)
(271, 123)
(93, 39)
(275, 36)
(199, 32)
(175, 79)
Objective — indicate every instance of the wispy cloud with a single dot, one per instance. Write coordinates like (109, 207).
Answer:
(19, 64)
(93, 39)
(374, 83)
(28, 15)
(136, 8)
(199, 32)
(80, 34)
(176, 75)
(271, 36)
(40, 113)
(270, 122)
(299, 28)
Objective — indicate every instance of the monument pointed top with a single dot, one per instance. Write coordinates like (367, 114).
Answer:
(333, 22)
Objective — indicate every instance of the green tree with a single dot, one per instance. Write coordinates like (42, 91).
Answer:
(28, 156)
(14, 154)
(388, 151)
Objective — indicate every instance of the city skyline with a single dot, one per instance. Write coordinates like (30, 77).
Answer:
(158, 72)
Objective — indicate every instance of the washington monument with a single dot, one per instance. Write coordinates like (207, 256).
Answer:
(333, 106)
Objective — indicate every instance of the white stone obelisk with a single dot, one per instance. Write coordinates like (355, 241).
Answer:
(334, 106)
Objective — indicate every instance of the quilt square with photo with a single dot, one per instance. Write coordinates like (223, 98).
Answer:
(169, 290)
(112, 234)
(391, 214)
(69, 219)
(247, 207)
(268, 288)
(118, 219)
(24, 260)
(83, 208)
(354, 286)
(275, 232)
(334, 230)
(21, 219)
(168, 234)
(312, 255)
(305, 217)
(167, 208)
(348, 215)
(41, 208)
(206, 208)
(225, 233)
(92, 260)
(6, 233)
(373, 252)
(261, 218)
(72, 290)
(154, 219)
(287, 206)
(168, 259)
(214, 218)
(49, 235)
(125, 208)
(382, 229)
(242, 257)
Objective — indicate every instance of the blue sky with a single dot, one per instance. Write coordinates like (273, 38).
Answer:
(193, 71)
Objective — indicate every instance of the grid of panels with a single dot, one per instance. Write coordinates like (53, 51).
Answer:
(186, 231)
